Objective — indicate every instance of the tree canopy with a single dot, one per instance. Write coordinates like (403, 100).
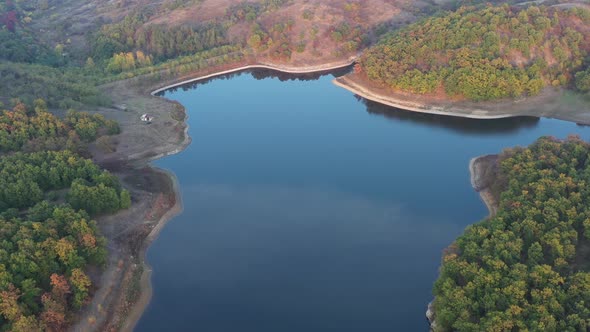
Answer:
(483, 54)
(47, 198)
(35, 129)
(526, 268)
(583, 80)
(45, 247)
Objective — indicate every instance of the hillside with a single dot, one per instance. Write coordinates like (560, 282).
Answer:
(295, 30)
(67, 48)
(484, 54)
(90, 43)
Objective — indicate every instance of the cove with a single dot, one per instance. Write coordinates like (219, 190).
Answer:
(308, 209)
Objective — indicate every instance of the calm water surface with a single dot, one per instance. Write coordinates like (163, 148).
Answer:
(306, 209)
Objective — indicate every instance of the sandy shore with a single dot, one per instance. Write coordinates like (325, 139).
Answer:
(552, 103)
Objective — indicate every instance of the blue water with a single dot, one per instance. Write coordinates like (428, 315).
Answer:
(307, 209)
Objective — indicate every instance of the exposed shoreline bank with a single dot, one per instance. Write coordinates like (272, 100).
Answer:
(482, 170)
(146, 289)
(549, 104)
(367, 93)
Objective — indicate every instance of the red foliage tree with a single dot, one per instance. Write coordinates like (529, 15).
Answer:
(9, 20)
(60, 287)
(53, 316)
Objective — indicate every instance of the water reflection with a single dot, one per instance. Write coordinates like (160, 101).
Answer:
(461, 125)
(261, 74)
(296, 257)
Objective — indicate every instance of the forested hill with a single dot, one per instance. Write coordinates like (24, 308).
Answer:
(485, 54)
(526, 268)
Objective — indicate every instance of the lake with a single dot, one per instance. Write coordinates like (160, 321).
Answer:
(308, 209)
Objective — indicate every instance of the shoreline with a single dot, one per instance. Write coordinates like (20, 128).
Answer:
(284, 69)
(131, 318)
(146, 290)
(547, 105)
(485, 194)
(487, 198)
(138, 308)
(366, 92)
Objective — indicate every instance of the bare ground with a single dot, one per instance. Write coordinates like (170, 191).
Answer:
(483, 174)
(127, 233)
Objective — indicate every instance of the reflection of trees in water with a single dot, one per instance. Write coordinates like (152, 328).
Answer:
(194, 85)
(261, 74)
(461, 125)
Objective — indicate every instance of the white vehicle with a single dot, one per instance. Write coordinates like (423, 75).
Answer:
(146, 118)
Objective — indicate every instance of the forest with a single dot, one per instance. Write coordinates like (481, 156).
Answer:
(485, 54)
(136, 42)
(47, 244)
(47, 199)
(67, 78)
(526, 268)
(64, 88)
(161, 42)
(36, 129)
(158, 41)
(48, 192)
(18, 43)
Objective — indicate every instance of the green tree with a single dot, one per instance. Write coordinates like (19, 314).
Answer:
(125, 199)
(583, 80)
